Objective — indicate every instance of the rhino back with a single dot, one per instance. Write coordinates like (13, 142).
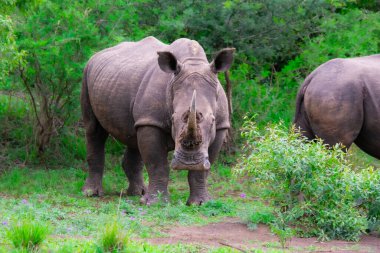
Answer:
(114, 77)
(345, 80)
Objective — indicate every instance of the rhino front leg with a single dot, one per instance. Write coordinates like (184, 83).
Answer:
(133, 168)
(96, 137)
(152, 143)
(198, 187)
(198, 179)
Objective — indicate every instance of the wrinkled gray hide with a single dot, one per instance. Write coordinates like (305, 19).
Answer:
(154, 98)
(340, 103)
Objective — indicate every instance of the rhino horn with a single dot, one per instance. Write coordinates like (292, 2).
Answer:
(192, 120)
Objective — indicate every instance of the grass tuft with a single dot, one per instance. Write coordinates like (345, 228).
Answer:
(113, 238)
(27, 234)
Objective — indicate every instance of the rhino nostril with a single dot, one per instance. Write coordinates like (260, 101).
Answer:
(190, 144)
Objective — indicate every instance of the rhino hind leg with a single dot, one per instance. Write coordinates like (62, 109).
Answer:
(152, 143)
(96, 137)
(133, 167)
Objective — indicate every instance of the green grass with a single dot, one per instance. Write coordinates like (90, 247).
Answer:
(54, 197)
(360, 159)
(77, 223)
(27, 234)
(259, 213)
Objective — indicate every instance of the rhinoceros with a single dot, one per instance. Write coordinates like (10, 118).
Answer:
(154, 98)
(339, 102)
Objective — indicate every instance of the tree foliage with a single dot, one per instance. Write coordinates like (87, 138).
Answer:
(356, 33)
(267, 33)
(271, 94)
(10, 57)
(58, 41)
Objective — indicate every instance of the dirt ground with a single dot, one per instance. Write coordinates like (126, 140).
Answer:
(232, 233)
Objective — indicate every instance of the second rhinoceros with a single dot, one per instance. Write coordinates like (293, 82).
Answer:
(339, 102)
(154, 98)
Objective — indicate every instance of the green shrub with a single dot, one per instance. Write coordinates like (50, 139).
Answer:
(28, 234)
(365, 186)
(306, 181)
(280, 228)
(58, 38)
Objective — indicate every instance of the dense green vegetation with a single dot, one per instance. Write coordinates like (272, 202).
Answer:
(44, 46)
(315, 189)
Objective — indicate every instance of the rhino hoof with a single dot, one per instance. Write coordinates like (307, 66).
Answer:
(149, 199)
(136, 190)
(92, 191)
(198, 200)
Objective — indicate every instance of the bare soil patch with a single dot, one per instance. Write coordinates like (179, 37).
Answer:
(232, 233)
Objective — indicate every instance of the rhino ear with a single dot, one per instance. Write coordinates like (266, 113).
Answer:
(223, 60)
(168, 62)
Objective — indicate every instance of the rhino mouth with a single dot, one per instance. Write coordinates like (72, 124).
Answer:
(190, 161)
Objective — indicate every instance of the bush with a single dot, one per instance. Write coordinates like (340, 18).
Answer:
(365, 187)
(57, 38)
(306, 181)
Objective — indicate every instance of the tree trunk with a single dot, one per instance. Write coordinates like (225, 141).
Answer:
(44, 129)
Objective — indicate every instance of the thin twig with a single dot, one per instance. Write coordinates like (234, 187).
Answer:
(26, 84)
(231, 246)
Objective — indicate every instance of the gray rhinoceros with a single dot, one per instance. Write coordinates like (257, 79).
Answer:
(154, 98)
(340, 103)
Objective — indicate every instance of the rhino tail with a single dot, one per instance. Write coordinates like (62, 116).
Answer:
(300, 118)
(299, 101)
(88, 115)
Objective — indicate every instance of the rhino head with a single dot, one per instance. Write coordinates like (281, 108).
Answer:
(192, 97)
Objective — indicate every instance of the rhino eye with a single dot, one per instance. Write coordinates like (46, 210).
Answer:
(199, 117)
